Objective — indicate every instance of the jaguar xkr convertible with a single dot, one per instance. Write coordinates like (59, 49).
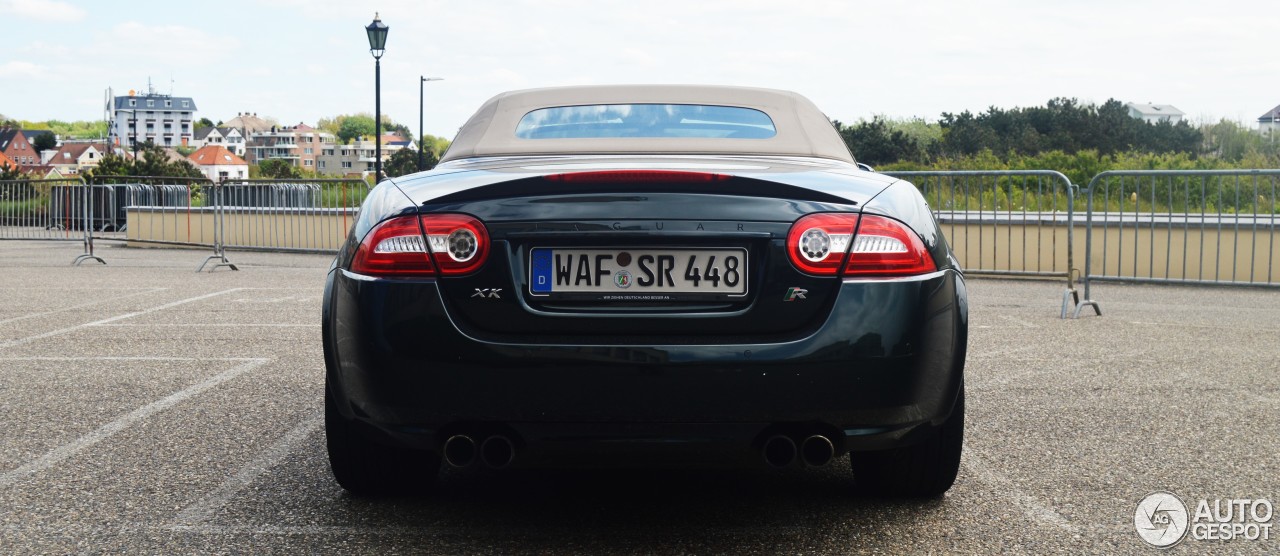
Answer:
(662, 275)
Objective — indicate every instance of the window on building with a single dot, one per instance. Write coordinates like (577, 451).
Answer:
(307, 150)
(306, 162)
(133, 102)
(346, 163)
(321, 164)
(186, 104)
(167, 104)
(151, 103)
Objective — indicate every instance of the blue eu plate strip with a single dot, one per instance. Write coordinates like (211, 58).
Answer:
(540, 277)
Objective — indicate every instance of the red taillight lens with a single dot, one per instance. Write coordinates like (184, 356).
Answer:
(457, 243)
(884, 247)
(817, 243)
(637, 176)
(394, 249)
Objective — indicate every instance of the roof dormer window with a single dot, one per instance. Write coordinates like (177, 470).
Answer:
(150, 103)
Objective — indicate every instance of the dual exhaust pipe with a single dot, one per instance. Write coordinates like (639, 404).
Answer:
(496, 451)
(813, 451)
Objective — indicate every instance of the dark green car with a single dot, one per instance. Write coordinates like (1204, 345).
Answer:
(663, 273)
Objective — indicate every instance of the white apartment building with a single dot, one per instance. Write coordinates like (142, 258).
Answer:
(164, 119)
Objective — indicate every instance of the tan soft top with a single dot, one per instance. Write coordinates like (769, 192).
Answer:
(802, 129)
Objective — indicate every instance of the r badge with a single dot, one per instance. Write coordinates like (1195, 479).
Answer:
(794, 294)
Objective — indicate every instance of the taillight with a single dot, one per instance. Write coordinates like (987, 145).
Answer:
(817, 243)
(881, 247)
(457, 243)
(394, 248)
(884, 247)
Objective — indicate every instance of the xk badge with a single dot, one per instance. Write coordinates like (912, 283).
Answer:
(794, 294)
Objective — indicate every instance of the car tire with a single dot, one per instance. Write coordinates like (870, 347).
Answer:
(367, 468)
(925, 469)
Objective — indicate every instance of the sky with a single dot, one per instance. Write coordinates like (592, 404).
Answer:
(301, 60)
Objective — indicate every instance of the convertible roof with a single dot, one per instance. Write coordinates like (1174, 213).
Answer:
(802, 129)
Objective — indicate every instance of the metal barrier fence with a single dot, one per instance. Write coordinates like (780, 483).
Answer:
(274, 215)
(1006, 223)
(311, 216)
(1182, 227)
(51, 209)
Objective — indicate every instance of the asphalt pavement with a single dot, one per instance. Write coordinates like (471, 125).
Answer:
(151, 409)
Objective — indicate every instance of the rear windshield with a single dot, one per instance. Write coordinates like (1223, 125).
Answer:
(645, 121)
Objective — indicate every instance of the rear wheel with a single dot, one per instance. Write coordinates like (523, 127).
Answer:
(367, 468)
(925, 469)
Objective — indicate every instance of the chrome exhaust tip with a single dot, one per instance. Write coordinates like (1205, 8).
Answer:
(779, 451)
(460, 450)
(817, 451)
(497, 451)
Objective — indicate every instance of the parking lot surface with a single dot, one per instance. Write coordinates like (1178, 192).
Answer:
(151, 409)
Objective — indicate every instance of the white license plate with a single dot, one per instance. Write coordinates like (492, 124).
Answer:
(638, 274)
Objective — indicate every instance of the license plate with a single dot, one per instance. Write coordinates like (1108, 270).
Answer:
(638, 274)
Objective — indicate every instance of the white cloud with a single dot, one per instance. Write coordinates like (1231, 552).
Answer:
(19, 69)
(45, 10)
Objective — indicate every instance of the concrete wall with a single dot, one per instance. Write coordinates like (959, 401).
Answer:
(301, 229)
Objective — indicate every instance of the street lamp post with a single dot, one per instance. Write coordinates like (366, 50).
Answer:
(377, 32)
(422, 151)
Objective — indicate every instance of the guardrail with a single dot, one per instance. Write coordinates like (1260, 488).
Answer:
(1006, 223)
(1182, 227)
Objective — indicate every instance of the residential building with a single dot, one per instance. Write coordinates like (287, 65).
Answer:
(75, 158)
(15, 145)
(229, 137)
(357, 158)
(1269, 123)
(218, 163)
(248, 124)
(300, 145)
(163, 119)
(1155, 113)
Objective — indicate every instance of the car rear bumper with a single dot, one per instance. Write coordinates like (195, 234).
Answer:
(882, 370)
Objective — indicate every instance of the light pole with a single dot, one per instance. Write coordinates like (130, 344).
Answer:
(377, 32)
(422, 153)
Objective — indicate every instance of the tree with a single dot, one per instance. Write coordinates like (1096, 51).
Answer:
(8, 172)
(277, 169)
(401, 162)
(355, 126)
(44, 142)
(204, 122)
(153, 160)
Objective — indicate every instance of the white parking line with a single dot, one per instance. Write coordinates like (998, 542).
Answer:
(61, 331)
(204, 509)
(82, 305)
(78, 445)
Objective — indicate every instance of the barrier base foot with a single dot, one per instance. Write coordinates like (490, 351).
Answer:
(1090, 302)
(222, 261)
(87, 257)
(1066, 299)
